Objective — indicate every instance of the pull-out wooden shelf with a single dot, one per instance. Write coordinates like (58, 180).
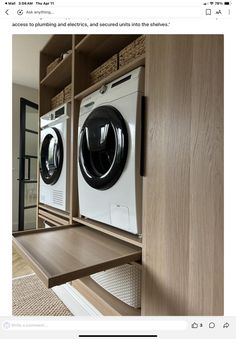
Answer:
(66, 253)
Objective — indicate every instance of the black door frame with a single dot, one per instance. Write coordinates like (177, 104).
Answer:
(22, 158)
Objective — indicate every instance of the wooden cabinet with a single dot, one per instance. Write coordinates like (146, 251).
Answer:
(182, 246)
(183, 185)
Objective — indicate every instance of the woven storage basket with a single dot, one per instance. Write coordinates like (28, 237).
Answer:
(110, 66)
(124, 282)
(57, 100)
(52, 65)
(67, 92)
(132, 51)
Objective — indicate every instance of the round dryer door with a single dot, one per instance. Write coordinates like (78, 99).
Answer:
(103, 147)
(51, 156)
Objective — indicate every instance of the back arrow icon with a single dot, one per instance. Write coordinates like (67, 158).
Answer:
(7, 12)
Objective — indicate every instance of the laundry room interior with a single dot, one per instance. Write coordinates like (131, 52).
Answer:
(117, 175)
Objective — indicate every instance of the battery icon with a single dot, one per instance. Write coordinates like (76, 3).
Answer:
(226, 3)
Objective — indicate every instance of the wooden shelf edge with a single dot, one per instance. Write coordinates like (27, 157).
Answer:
(53, 217)
(89, 40)
(34, 265)
(140, 61)
(54, 211)
(114, 232)
(40, 230)
(68, 59)
(81, 42)
(102, 300)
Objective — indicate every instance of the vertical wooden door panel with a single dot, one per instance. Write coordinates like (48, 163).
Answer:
(183, 185)
(206, 178)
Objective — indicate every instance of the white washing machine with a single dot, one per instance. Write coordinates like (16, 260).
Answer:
(55, 158)
(109, 147)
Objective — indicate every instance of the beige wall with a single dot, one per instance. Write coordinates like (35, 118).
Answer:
(31, 94)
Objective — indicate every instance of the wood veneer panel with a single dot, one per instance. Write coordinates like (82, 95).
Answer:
(82, 69)
(74, 202)
(46, 94)
(183, 184)
(63, 254)
(206, 246)
(73, 141)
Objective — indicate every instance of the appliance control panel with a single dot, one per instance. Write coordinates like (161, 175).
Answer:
(56, 115)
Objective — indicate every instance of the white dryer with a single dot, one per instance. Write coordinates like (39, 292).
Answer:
(109, 147)
(55, 158)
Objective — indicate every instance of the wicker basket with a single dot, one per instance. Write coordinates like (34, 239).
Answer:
(67, 92)
(124, 282)
(57, 100)
(111, 65)
(53, 65)
(132, 51)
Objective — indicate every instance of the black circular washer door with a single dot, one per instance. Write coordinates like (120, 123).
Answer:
(103, 147)
(51, 156)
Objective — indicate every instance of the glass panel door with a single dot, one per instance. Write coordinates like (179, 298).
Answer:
(28, 164)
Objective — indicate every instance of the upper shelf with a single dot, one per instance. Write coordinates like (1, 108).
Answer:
(60, 76)
(58, 44)
(65, 253)
(104, 46)
(140, 61)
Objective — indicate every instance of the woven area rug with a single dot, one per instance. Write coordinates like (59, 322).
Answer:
(31, 298)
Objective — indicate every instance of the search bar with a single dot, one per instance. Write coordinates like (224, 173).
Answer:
(114, 12)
